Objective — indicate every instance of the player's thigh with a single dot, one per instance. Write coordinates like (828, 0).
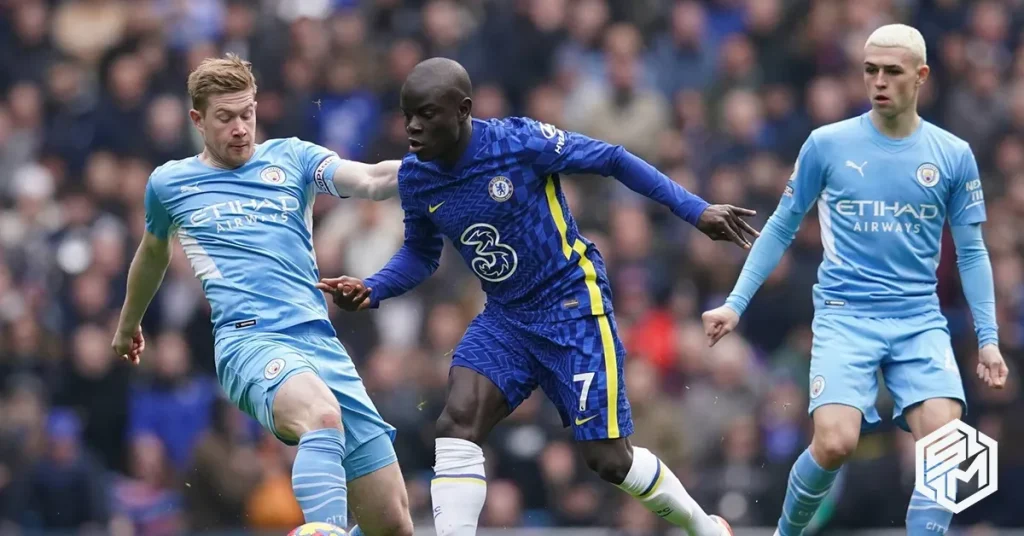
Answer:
(376, 489)
(252, 370)
(491, 376)
(922, 367)
(583, 361)
(361, 419)
(845, 357)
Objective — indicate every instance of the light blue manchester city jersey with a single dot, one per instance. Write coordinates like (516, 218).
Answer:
(882, 204)
(248, 231)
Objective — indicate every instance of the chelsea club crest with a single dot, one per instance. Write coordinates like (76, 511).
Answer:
(928, 175)
(500, 189)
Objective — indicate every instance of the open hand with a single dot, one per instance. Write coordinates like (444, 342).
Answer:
(725, 222)
(349, 293)
(129, 344)
(718, 323)
(991, 367)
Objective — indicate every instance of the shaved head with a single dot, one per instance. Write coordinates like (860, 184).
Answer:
(437, 102)
(440, 74)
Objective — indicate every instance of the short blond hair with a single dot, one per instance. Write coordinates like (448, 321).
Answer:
(217, 76)
(900, 36)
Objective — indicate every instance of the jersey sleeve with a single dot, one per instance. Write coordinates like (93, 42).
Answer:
(966, 197)
(808, 179)
(318, 166)
(158, 221)
(549, 149)
(417, 259)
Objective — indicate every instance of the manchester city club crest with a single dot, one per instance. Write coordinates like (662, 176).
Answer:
(273, 368)
(817, 386)
(500, 189)
(928, 175)
(272, 175)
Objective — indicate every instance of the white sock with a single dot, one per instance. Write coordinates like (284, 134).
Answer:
(459, 487)
(654, 485)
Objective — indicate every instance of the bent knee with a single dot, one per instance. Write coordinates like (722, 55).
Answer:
(833, 445)
(461, 422)
(303, 404)
(611, 465)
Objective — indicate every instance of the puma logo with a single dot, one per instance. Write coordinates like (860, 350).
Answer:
(860, 168)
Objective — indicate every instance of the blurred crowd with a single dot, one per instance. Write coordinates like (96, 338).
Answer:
(719, 94)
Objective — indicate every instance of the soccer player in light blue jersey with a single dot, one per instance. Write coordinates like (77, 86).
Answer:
(243, 214)
(884, 183)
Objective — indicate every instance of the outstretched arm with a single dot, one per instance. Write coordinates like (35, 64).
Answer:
(411, 265)
(369, 181)
(776, 236)
(333, 175)
(552, 150)
(803, 189)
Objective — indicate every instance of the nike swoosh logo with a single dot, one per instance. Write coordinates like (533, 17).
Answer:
(433, 208)
(580, 422)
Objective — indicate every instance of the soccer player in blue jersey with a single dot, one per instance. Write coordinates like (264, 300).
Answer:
(493, 188)
(243, 214)
(884, 183)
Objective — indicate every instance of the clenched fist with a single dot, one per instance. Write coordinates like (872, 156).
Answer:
(718, 323)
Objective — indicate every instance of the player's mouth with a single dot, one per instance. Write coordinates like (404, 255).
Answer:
(415, 145)
(882, 99)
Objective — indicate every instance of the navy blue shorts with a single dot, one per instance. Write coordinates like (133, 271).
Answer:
(576, 362)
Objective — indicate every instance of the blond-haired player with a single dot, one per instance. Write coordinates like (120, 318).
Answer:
(243, 214)
(884, 183)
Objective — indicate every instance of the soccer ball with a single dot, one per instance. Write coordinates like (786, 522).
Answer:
(318, 529)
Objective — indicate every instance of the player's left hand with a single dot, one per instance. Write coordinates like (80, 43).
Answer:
(991, 367)
(348, 293)
(725, 222)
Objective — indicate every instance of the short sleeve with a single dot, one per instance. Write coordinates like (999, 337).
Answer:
(549, 149)
(158, 221)
(966, 197)
(318, 166)
(808, 179)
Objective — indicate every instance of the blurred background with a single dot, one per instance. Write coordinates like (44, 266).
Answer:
(719, 94)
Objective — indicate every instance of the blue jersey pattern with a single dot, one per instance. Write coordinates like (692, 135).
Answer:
(882, 204)
(502, 207)
(248, 232)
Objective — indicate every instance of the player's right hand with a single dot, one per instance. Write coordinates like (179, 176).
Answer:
(348, 293)
(718, 323)
(725, 222)
(129, 344)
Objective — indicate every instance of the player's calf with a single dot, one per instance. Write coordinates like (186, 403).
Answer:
(641, 474)
(304, 409)
(459, 488)
(836, 433)
(924, 515)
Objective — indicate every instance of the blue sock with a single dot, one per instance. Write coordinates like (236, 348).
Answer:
(318, 478)
(808, 485)
(925, 517)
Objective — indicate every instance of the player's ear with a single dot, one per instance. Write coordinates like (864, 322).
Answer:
(197, 119)
(465, 109)
(922, 74)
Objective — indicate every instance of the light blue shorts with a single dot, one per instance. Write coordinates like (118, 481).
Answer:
(914, 354)
(253, 365)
